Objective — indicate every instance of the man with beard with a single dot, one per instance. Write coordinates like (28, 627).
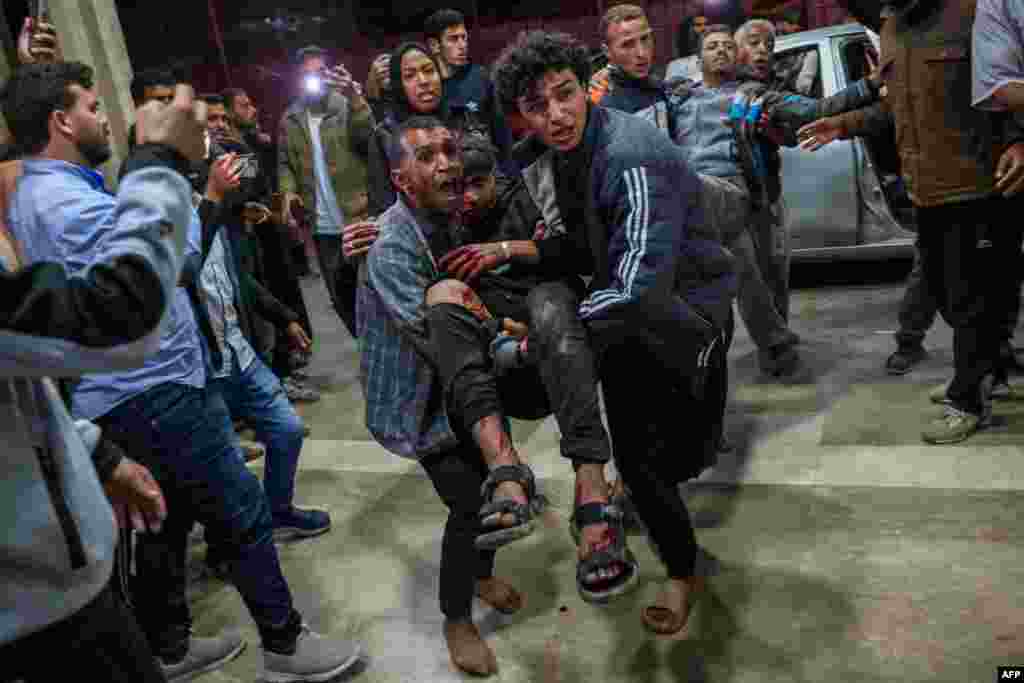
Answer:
(468, 92)
(322, 166)
(963, 169)
(56, 568)
(622, 203)
(163, 413)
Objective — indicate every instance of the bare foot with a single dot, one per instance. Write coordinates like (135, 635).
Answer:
(670, 613)
(468, 650)
(509, 490)
(499, 594)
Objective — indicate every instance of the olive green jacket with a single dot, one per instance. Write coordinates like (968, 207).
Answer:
(344, 134)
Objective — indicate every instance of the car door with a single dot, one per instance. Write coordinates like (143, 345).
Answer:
(877, 222)
(820, 188)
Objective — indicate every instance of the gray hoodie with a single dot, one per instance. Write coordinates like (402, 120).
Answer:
(59, 533)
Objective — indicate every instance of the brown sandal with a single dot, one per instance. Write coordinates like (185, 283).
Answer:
(666, 622)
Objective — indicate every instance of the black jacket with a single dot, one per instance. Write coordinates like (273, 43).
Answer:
(639, 200)
(643, 97)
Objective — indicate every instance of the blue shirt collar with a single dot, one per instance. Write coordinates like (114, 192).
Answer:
(44, 166)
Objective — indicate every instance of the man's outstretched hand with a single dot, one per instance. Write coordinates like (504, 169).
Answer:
(136, 498)
(819, 133)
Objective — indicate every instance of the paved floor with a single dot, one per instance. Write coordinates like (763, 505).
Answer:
(840, 547)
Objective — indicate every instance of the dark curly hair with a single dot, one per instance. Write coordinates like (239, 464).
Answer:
(523, 64)
(34, 92)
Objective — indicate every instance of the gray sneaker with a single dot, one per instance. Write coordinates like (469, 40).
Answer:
(316, 659)
(954, 426)
(204, 654)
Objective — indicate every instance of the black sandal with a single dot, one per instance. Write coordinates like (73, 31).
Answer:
(616, 555)
(493, 535)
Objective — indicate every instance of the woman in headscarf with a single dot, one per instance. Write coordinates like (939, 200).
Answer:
(417, 90)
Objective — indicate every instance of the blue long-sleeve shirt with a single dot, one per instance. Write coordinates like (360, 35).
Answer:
(61, 212)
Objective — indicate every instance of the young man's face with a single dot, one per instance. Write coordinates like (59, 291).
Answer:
(631, 46)
(243, 112)
(756, 51)
(421, 82)
(479, 195)
(700, 22)
(217, 121)
(454, 46)
(88, 126)
(718, 55)
(158, 93)
(430, 173)
(556, 111)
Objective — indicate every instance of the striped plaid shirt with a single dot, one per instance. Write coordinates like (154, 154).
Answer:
(405, 410)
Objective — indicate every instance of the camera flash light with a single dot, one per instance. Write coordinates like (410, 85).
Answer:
(313, 84)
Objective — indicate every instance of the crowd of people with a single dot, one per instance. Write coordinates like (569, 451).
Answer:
(484, 277)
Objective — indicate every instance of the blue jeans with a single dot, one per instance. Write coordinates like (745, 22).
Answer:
(257, 396)
(185, 437)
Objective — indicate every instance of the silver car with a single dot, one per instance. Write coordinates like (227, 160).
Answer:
(846, 200)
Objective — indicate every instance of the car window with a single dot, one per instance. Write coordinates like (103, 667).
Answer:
(855, 55)
(799, 70)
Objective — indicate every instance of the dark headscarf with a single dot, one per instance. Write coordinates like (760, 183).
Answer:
(687, 40)
(400, 108)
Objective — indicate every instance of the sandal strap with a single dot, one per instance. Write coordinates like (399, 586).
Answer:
(522, 511)
(597, 513)
(520, 474)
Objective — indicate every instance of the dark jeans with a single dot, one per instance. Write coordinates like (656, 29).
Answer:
(655, 427)
(919, 308)
(665, 415)
(457, 476)
(257, 396)
(186, 438)
(100, 642)
(340, 278)
(562, 378)
(967, 249)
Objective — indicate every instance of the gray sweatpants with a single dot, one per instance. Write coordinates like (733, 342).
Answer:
(758, 244)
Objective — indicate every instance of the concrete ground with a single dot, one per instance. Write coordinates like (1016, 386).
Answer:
(840, 547)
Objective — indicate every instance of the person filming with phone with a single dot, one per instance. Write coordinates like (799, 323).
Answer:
(322, 167)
